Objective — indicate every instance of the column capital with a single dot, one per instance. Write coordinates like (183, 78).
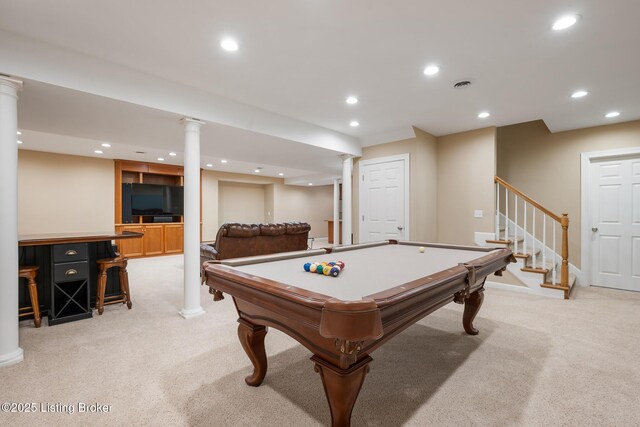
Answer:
(187, 121)
(9, 86)
(346, 156)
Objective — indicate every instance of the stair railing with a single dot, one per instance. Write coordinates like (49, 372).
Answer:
(504, 189)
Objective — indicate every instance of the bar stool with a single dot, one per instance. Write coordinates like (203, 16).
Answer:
(103, 266)
(30, 273)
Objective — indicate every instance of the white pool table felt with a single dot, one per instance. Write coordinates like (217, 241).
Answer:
(368, 271)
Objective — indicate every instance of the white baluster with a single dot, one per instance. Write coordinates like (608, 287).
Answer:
(497, 211)
(544, 242)
(515, 228)
(506, 214)
(524, 243)
(533, 235)
(553, 280)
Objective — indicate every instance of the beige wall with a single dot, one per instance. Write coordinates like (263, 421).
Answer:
(422, 186)
(310, 204)
(240, 202)
(60, 193)
(210, 196)
(546, 166)
(466, 167)
(281, 202)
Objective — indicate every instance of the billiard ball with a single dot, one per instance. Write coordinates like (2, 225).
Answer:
(307, 266)
(340, 264)
(334, 271)
(326, 270)
(319, 269)
(421, 249)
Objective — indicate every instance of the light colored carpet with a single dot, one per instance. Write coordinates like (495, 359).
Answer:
(536, 362)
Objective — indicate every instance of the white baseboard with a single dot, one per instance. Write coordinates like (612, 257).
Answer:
(12, 358)
(519, 289)
(190, 314)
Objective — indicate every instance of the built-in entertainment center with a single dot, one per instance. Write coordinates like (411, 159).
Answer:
(149, 200)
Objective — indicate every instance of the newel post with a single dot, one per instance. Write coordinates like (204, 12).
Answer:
(564, 269)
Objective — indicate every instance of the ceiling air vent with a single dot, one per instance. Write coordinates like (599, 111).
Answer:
(141, 152)
(462, 84)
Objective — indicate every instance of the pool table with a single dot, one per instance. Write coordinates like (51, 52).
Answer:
(384, 288)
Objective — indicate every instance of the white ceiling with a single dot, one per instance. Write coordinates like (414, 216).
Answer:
(48, 113)
(301, 58)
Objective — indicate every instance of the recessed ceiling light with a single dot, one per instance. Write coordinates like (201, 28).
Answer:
(19, 142)
(565, 22)
(483, 115)
(19, 133)
(612, 114)
(280, 174)
(172, 153)
(354, 124)
(257, 170)
(106, 145)
(431, 70)
(209, 165)
(223, 161)
(97, 151)
(351, 100)
(161, 159)
(229, 45)
(579, 94)
(311, 183)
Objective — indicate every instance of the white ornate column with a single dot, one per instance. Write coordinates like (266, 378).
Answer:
(347, 167)
(192, 305)
(336, 211)
(10, 351)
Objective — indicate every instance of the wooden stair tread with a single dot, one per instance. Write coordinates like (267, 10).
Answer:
(521, 255)
(535, 270)
(557, 286)
(502, 242)
(552, 286)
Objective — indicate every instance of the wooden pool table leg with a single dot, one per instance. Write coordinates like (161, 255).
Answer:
(341, 387)
(252, 340)
(472, 306)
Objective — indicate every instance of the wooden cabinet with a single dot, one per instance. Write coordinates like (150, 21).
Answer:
(330, 231)
(153, 240)
(159, 238)
(173, 238)
(130, 247)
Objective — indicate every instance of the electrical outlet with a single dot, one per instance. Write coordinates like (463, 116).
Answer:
(478, 213)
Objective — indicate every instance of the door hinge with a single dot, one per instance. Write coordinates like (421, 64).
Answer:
(362, 178)
(363, 217)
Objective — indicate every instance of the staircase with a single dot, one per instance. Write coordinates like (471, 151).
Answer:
(537, 237)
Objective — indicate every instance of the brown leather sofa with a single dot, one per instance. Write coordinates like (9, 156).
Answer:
(236, 240)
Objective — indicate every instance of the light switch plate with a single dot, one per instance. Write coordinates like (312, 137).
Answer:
(478, 213)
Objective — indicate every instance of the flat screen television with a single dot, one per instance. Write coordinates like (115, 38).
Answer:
(152, 199)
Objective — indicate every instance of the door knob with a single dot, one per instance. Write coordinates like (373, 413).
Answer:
(400, 228)
(594, 229)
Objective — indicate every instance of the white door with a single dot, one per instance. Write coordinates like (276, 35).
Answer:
(615, 227)
(383, 197)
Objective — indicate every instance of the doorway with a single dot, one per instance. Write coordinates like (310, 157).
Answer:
(613, 220)
(384, 199)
